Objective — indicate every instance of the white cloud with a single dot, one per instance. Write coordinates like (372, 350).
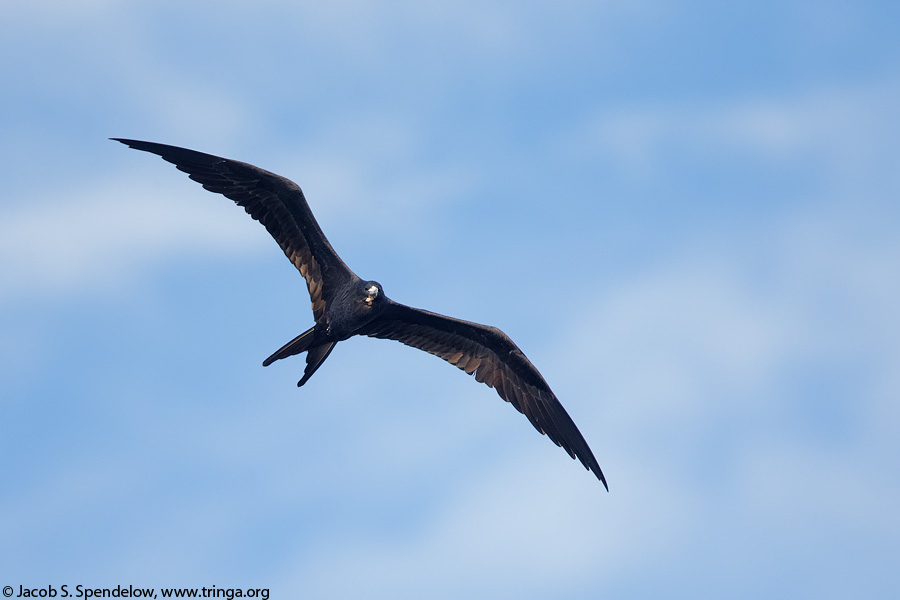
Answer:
(846, 130)
(514, 530)
(372, 34)
(695, 366)
(97, 235)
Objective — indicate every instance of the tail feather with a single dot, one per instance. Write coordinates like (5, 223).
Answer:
(299, 344)
(314, 359)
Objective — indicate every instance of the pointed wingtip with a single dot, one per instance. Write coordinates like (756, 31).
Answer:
(136, 144)
(596, 471)
(602, 479)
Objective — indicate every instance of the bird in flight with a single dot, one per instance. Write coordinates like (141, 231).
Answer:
(344, 305)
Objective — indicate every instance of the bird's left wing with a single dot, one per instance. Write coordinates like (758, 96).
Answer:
(495, 360)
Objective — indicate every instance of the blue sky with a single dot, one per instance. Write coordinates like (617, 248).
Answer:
(684, 213)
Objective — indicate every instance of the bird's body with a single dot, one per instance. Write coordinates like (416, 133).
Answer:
(344, 305)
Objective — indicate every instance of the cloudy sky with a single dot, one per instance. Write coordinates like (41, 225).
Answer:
(685, 213)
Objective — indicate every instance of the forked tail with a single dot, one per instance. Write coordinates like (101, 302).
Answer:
(318, 352)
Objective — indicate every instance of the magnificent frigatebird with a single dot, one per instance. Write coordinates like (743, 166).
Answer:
(344, 305)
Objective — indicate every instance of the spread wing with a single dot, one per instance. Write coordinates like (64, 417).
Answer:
(274, 201)
(495, 360)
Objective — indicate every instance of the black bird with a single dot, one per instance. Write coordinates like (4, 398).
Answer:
(344, 305)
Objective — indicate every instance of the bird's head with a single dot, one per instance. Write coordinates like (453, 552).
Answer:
(370, 293)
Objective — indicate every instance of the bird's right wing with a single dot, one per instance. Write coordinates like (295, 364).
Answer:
(273, 200)
(495, 360)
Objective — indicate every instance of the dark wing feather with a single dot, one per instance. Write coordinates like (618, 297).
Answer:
(274, 201)
(495, 360)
